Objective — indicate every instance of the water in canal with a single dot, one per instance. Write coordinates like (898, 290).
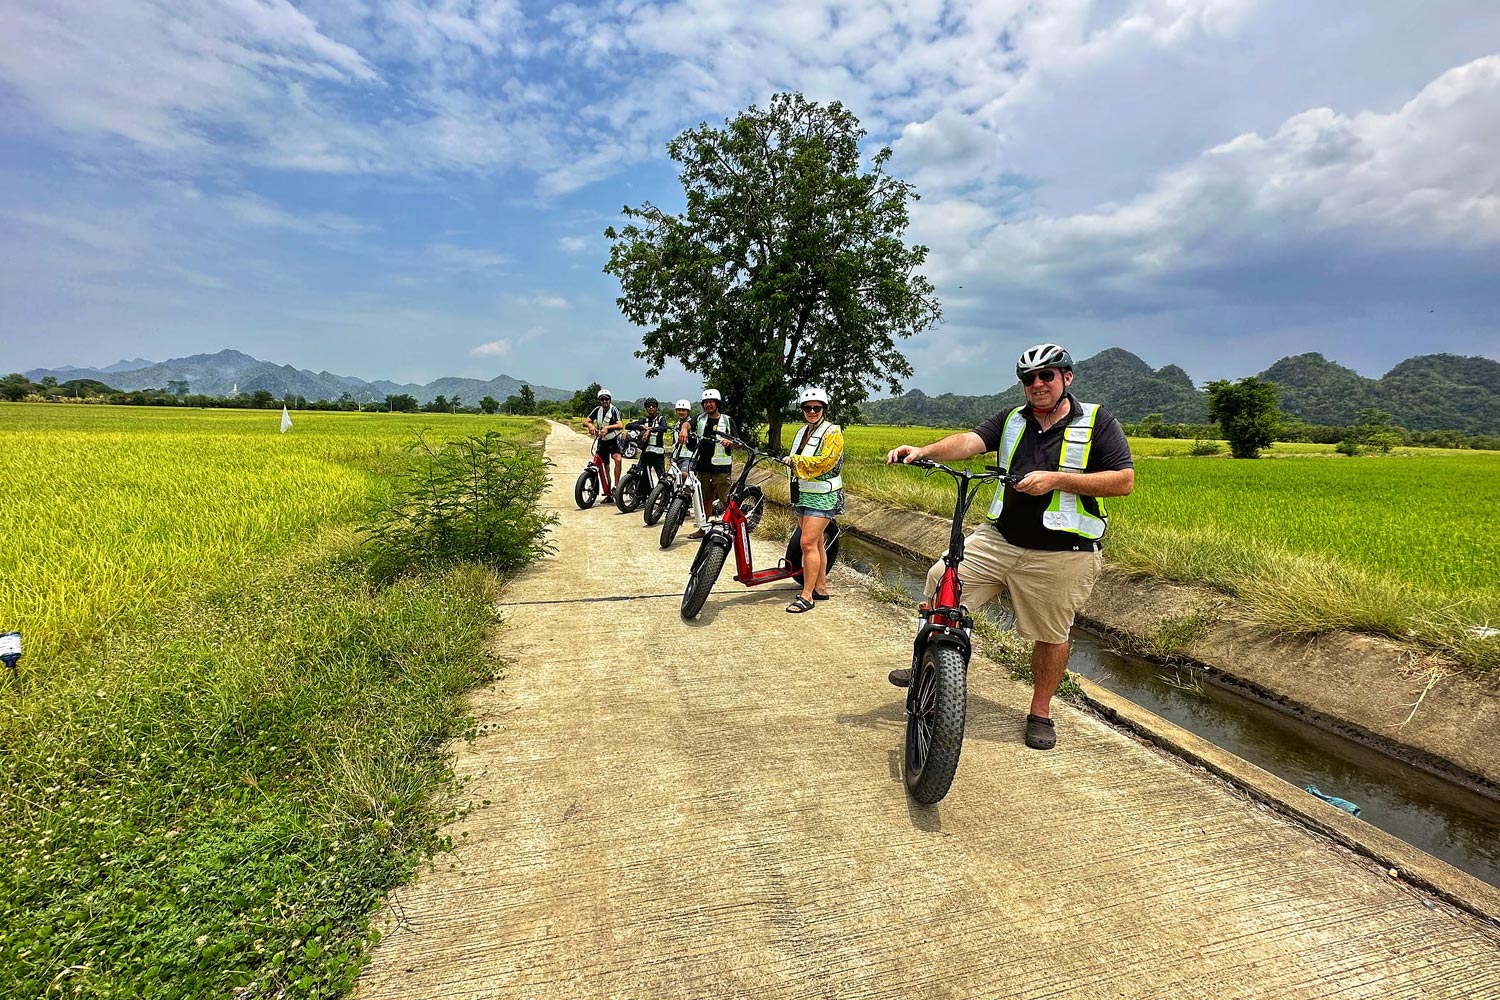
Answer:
(1446, 820)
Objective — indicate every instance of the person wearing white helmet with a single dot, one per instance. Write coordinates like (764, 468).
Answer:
(816, 458)
(603, 422)
(711, 459)
(685, 436)
(1044, 541)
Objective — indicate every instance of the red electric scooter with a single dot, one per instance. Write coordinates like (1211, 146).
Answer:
(937, 698)
(593, 480)
(733, 531)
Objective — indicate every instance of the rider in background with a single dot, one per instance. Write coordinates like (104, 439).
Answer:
(711, 460)
(816, 458)
(603, 422)
(684, 436)
(1044, 543)
(655, 426)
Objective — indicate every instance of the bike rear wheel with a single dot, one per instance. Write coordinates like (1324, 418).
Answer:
(628, 496)
(656, 503)
(672, 520)
(703, 576)
(586, 489)
(935, 722)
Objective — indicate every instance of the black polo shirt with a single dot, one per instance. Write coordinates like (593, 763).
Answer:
(703, 455)
(1021, 519)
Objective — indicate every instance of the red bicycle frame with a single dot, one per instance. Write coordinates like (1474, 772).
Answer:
(600, 464)
(744, 566)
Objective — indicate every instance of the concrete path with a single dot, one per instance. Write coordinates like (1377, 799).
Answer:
(715, 810)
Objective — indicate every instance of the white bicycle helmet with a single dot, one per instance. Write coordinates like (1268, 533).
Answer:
(606, 394)
(682, 404)
(713, 394)
(812, 395)
(1044, 356)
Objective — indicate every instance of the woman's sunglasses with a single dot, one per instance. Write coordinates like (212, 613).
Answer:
(1046, 375)
(812, 408)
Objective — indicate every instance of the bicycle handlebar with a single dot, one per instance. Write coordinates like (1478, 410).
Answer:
(992, 472)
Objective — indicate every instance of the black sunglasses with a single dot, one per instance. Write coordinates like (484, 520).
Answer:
(1046, 375)
(813, 408)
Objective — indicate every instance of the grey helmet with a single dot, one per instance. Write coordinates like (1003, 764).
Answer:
(1044, 356)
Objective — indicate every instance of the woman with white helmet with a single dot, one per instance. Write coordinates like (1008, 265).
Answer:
(816, 457)
(684, 435)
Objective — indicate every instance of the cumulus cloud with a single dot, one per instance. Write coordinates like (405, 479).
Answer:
(573, 244)
(494, 349)
(1423, 175)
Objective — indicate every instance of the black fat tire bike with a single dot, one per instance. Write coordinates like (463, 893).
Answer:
(639, 480)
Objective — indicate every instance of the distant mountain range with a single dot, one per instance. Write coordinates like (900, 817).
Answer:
(231, 371)
(1427, 393)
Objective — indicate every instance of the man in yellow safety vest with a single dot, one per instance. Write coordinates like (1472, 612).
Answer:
(1043, 545)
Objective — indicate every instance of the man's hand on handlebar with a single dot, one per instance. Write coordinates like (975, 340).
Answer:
(1039, 483)
(904, 453)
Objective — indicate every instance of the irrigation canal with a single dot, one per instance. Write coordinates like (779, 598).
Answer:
(1448, 821)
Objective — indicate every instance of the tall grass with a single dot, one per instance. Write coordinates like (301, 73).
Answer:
(224, 744)
(1396, 544)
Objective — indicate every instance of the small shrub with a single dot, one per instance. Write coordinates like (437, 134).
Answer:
(1348, 446)
(1203, 448)
(474, 499)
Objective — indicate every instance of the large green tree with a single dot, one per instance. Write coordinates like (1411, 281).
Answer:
(789, 266)
(1246, 412)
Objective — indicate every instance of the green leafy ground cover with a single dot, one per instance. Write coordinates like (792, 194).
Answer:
(1308, 540)
(224, 744)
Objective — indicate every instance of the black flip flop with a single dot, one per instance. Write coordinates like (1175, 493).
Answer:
(821, 597)
(799, 605)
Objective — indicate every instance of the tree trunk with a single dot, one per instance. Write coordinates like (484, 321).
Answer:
(773, 432)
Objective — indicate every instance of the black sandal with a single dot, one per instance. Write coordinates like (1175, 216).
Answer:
(799, 605)
(821, 597)
(1041, 734)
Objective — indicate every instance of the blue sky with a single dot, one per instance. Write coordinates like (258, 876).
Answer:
(407, 190)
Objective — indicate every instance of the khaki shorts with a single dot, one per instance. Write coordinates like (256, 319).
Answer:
(1046, 588)
(715, 487)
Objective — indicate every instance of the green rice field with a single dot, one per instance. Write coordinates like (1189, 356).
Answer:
(225, 741)
(1397, 544)
(111, 507)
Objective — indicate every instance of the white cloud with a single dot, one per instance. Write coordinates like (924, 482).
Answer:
(254, 210)
(573, 244)
(1423, 175)
(549, 302)
(494, 349)
(461, 258)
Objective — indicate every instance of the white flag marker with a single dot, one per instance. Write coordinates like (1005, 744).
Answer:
(286, 420)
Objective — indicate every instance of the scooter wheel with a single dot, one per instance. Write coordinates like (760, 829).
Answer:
(586, 489)
(701, 579)
(936, 705)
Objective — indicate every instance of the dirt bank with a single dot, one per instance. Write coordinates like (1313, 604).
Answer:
(715, 809)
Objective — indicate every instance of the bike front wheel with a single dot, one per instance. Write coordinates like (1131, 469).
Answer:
(628, 496)
(703, 576)
(586, 489)
(935, 722)
(656, 503)
(672, 520)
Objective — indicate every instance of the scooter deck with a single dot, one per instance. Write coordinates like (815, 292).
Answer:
(769, 575)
